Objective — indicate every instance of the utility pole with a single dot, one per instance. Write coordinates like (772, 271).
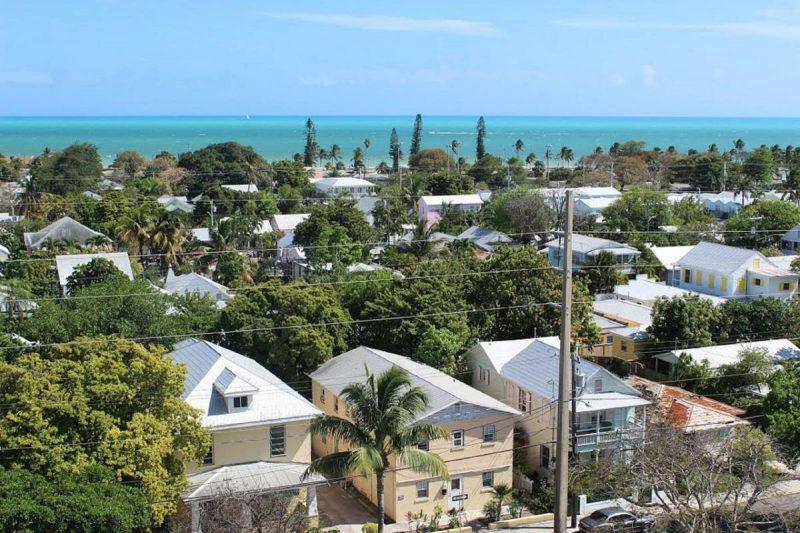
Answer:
(724, 174)
(213, 210)
(564, 374)
(573, 422)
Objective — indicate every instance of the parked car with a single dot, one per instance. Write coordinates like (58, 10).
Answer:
(616, 519)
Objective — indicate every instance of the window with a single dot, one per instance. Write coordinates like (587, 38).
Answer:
(756, 263)
(711, 281)
(321, 395)
(598, 385)
(422, 489)
(522, 400)
(757, 282)
(209, 457)
(724, 284)
(484, 375)
(277, 441)
(544, 459)
(458, 438)
(457, 408)
(740, 287)
(239, 402)
(623, 345)
(786, 286)
(609, 340)
(698, 278)
(423, 445)
(336, 405)
(687, 276)
(487, 479)
(488, 433)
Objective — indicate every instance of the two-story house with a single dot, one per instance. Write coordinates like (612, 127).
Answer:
(345, 186)
(524, 373)
(259, 429)
(429, 208)
(478, 452)
(731, 272)
(585, 248)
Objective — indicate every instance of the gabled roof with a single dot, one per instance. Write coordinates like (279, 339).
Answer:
(228, 383)
(453, 199)
(244, 187)
(333, 183)
(443, 390)
(485, 238)
(586, 244)
(249, 478)
(717, 257)
(209, 365)
(64, 228)
(287, 222)
(669, 255)
(533, 364)
(646, 291)
(66, 264)
(193, 283)
(724, 354)
(793, 235)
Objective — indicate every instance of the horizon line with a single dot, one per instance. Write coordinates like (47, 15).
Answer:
(445, 115)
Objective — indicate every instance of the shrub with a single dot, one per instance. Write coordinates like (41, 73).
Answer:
(369, 527)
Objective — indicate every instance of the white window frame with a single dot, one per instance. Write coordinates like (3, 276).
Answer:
(598, 385)
(487, 475)
(277, 440)
(457, 438)
(244, 402)
(424, 488)
(322, 395)
(491, 433)
(208, 459)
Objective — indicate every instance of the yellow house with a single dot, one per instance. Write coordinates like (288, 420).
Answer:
(478, 453)
(626, 343)
(258, 425)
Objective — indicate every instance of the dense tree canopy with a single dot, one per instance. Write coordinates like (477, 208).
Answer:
(341, 213)
(770, 218)
(431, 160)
(228, 162)
(75, 169)
(97, 270)
(688, 321)
(107, 402)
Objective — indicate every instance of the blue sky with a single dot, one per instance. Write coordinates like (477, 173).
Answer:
(523, 57)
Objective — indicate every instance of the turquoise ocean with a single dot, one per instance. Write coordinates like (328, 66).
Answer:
(277, 137)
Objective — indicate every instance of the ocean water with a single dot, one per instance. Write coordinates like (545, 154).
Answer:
(281, 136)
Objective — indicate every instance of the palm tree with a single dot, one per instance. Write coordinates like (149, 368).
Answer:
(738, 145)
(323, 154)
(335, 153)
(519, 146)
(358, 159)
(566, 154)
(135, 229)
(530, 159)
(169, 238)
(548, 155)
(454, 146)
(382, 413)
(367, 143)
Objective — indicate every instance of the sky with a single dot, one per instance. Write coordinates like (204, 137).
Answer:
(437, 57)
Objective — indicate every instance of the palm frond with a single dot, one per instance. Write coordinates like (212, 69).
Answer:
(332, 465)
(340, 429)
(366, 460)
(424, 462)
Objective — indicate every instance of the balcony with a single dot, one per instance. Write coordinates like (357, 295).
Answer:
(603, 434)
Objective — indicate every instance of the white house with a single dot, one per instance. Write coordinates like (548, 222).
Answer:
(790, 241)
(174, 204)
(668, 256)
(193, 283)
(429, 208)
(485, 239)
(724, 354)
(346, 186)
(645, 291)
(585, 248)
(246, 188)
(588, 200)
(258, 424)
(66, 264)
(524, 374)
(63, 229)
(286, 223)
(731, 272)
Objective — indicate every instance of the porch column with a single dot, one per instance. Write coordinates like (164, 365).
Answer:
(311, 501)
(196, 517)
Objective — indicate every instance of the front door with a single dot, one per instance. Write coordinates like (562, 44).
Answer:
(456, 491)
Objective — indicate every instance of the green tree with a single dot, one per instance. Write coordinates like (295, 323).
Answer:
(75, 169)
(341, 213)
(311, 150)
(272, 325)
(441, 348)
(522, 211)
(688, 321)
(130, 163)
(756, 171)
(395, 152)
(638, 210)
(384, 412)
(601, 273)
(102, 401)
(689, 210)
(97, 270)
(228, 163)
(334, 246)
(519, 146)
(494, 171)
(761, 318)
(291, 173)
(769, 218)
(416, 137)
(480, 142)
(430, 160)
(782, 408)
(232, 269)
(91, 501)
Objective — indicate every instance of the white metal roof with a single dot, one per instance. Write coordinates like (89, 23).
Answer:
(624, 309)
(243, 187)
(194, 283)
(65, 228)
(669, 255)
(595, 204)
(66, 264)
(287, 222)
(591, 402)
(586, 244)
(443, 390)
(646, 291)
(793, 235)
(717, 257)
(249, 478)
(201, 234)
(335, 183)
(725, 354)
(453, 199)
(274, 401)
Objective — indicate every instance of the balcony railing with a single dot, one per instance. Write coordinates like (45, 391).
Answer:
(605, 432)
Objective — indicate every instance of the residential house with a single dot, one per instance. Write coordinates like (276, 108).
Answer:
(194, 283)
(663, 365)
(730, 272)
(524, 373)
(607, 327)
(8, 217)
(5, 253)
(790, 241)
(584, 248)
(66, 264)
(202, 234)
(589, 201)
(725, 204)
(63, 229)
(244, 188)
(688, 411)
(485, 239)
(346, 186)
(175, 204)
(258, 424)
(645, 291)
(429, 208)
(629, 342)
(668, 256)
(478, 452)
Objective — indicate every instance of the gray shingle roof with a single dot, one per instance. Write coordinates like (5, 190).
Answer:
(443, 390)
(64, 228)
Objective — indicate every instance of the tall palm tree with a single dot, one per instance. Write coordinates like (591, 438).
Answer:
(335, 153)
(454, 146)
(566, 155)
(135, 229)
(381, 424)
(548, 155)
(367, 143)
(170, 236)
(519, 146)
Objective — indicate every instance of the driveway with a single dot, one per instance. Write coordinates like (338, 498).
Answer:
(337, 508)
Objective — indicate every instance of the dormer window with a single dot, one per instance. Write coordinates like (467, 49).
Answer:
(240, 402)
(598, 385)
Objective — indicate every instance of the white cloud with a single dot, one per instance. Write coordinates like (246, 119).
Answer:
(649, 75)
(388, 23)
(27, 77)
(767, 28)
